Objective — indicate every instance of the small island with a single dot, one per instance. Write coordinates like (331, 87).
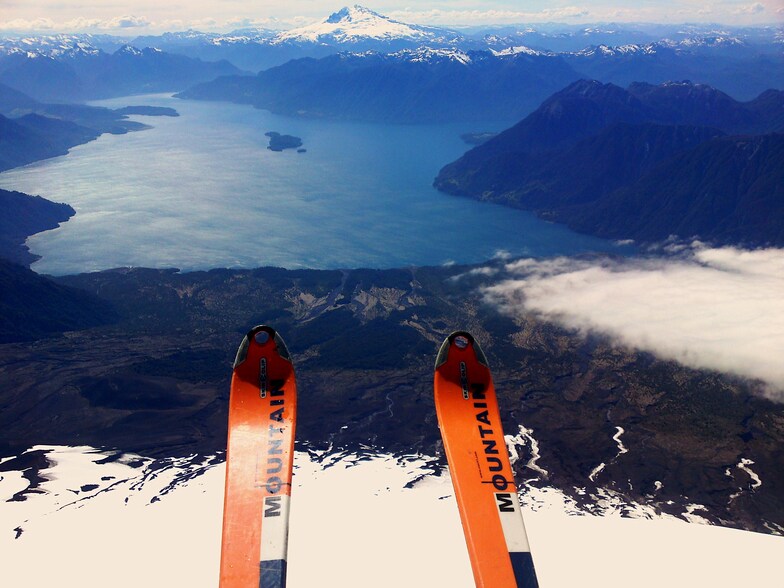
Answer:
(148, 111)
(477, 138)
(278, 142)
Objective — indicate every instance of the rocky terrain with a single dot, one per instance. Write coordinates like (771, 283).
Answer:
(585, 414)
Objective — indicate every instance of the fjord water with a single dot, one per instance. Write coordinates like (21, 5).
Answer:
(203, 191)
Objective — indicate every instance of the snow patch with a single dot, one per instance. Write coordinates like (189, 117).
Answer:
(695, 518)
(595, 471)
(617, 438)
(11, 483)
(621, 450)
(744, 464)
(756, 481)
(524, 438)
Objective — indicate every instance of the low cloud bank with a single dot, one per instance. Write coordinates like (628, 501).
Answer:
(720, 309)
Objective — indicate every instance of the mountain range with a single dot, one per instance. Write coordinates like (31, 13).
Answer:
(724, 63)
(31, 130)
(361, 65)
(33, 137)
(352, 28)
(74, 71)
(358, 29)
(33, 307)
(22, 215)
(740, 61)
(596, 157)
(727, 190)
(409, 86)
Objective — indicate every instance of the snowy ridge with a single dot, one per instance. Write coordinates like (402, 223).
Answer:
(608, 51)
(242, 36)
(129, 50)
(55, 46)
(687, 44)
(430, 55)
(64, 47)
(354, 25)
(519, 50)
(705, 41)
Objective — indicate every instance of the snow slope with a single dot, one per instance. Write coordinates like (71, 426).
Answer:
(138, 522)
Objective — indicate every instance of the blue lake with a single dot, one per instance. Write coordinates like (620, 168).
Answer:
(203, 191)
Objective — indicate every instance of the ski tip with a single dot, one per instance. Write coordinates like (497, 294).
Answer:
(261, 335)
(461, 340)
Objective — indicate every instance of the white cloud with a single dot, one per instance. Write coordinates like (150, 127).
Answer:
(132, 24)
(720, 309)
(755, 8)
(76, 24)
(477, 271)
(438, 16)
(247, 23)
(127, 22)
(22, 24)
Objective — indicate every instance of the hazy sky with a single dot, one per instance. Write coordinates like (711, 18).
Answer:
(132, 17)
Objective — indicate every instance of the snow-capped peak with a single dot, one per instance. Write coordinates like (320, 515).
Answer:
(714, 40)
(432, 55)
(354, 24)
(518, 50)
(128, 50)
(353, 14)
(608, 51)
(54, 46)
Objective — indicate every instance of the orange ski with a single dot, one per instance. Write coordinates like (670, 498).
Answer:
(259, 458)
(479, 465)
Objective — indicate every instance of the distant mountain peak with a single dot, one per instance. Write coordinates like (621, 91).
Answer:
(54, 46)
(353, 14)
(353, 24)
(132, 51)
(128, 50)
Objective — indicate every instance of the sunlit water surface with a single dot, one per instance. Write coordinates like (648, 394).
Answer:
(203, 191)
